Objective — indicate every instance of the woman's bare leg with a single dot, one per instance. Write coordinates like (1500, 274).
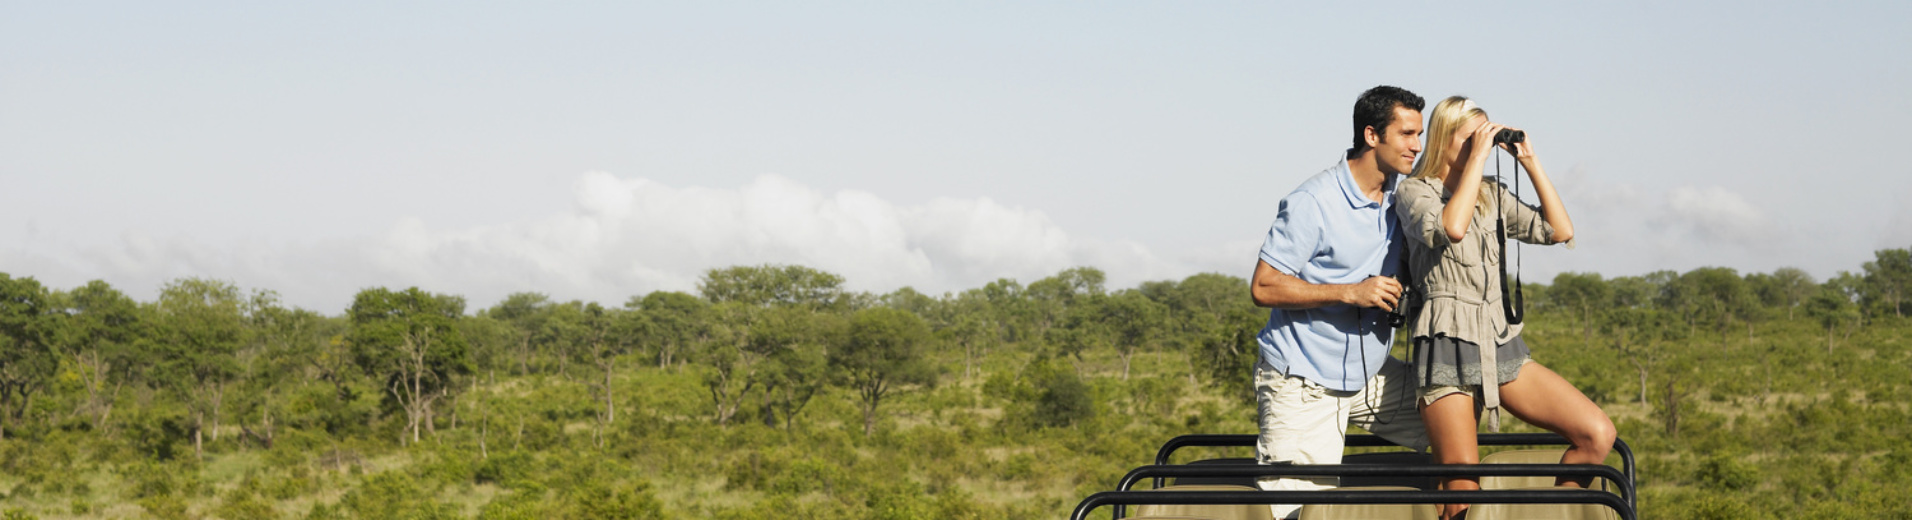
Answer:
(1452, 426)
(1543, 398)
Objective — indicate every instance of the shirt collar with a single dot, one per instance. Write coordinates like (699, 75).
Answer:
(1345, 177)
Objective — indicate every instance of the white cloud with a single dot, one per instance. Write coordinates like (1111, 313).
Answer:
(1716, 214)
(1626, 229)
(629, 236)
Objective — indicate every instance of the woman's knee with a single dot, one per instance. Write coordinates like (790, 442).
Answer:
(1596, 433)
(1457, 456)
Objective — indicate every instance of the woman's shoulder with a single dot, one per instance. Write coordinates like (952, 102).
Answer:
(1412, 187)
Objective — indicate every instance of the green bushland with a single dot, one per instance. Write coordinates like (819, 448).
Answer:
(774, 393)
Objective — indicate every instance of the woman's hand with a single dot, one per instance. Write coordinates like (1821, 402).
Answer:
(1523, 150)
(1482, 141)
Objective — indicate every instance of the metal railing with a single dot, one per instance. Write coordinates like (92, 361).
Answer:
(1332, 496)
(1379, 470)
(1368, 441)
(1161, 470)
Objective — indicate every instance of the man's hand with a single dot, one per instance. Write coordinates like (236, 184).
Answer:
(1379, 292)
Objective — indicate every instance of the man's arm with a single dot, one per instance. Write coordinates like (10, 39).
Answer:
(1273, 288)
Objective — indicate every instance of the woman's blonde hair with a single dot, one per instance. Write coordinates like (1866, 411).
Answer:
(1447, 118)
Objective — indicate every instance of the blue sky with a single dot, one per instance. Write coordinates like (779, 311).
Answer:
(602, 150)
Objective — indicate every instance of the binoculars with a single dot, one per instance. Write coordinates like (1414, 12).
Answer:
(1509, 136)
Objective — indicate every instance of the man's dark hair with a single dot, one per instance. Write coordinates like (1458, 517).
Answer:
(1376, 109)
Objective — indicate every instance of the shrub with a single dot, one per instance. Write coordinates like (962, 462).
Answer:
(165, 507)
(505, 469)
(630, 502)
(241, 503)
(901, 500)
(1724, 472)
(393, 494)
(1062, 398)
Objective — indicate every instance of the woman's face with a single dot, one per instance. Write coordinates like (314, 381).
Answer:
(1460, 146)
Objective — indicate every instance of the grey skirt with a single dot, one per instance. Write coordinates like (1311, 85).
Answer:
(1445, 361)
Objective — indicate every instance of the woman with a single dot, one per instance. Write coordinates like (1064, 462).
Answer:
(1449, 214)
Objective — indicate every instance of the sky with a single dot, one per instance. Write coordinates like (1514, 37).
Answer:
(603, 150)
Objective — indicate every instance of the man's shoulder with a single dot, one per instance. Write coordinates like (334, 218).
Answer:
(1318, 186)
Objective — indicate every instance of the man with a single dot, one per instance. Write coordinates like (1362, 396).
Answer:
(1326, 270)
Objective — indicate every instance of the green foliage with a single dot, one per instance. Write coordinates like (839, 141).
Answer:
(902, 500)
(26, 364)
(1888, 282)
(995, 402)
(510, 470)
(1727, 473)
(1062, 399)
(883, 349)
(770, 285)
(673, 322)
(246, 502)
(409, 340)
(630, 502)
(393, 494)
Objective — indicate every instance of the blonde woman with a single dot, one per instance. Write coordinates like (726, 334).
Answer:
(1449, 216)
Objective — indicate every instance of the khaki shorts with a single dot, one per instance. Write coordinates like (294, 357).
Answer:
(1429, 394)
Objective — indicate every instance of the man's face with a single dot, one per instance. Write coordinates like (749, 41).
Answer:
(1396, 147)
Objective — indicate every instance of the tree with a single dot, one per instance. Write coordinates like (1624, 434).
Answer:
(1786, 287)
(525, 311)
(881, 350)
(1006, 301)
(1888, 280)
(1714, 296)
(491, 342)
(563, 334)
(1049, 299)
(733, 358)
(98, 334)
(1068, 285)
(1581, 294)
(796, 366)
(1062, 399)
(1079, 327)
(285, 341)
(1641, 336)
(909, 299)
(1214, 323)
(767, 285)
(1640, 291)
(202, 325)
(1831, 306)
(673, 321)
(600, 335)
(1133, 322)
(410, 340)
(26, 363)
(970, 323)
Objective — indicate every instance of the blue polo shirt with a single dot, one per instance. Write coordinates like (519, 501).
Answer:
(1328, 232)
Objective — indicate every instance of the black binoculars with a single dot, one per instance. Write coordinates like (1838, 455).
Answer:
(1509, 136)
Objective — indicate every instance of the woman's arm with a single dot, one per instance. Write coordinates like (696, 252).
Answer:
(1464, 186)
(1550, 206)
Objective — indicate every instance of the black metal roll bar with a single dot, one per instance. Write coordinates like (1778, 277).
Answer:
(1366, 441)
(1380, 470)
(1527, 496)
